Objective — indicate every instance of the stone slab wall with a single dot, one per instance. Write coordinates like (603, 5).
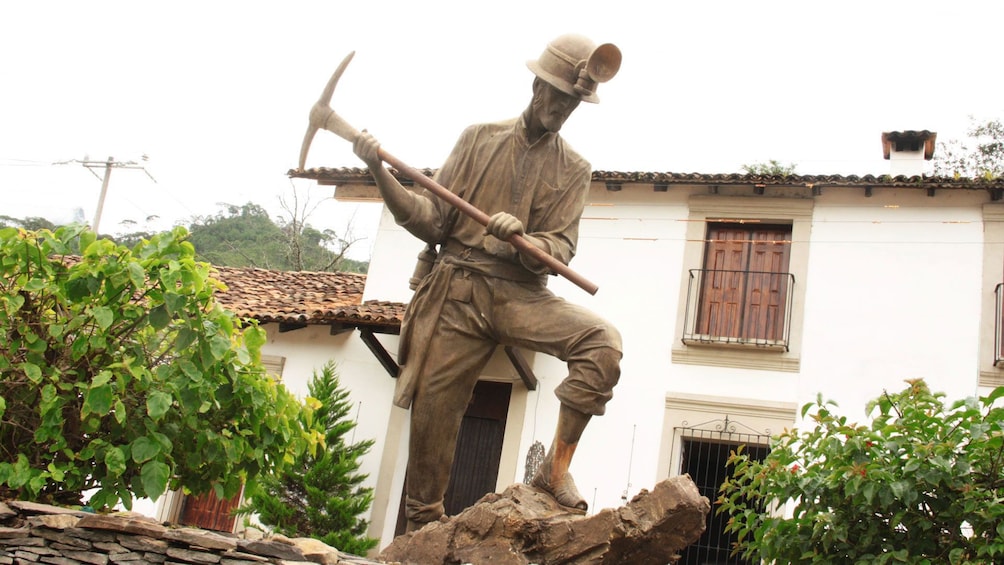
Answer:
(37, 533)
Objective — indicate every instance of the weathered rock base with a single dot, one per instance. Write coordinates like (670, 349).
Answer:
(521, 526)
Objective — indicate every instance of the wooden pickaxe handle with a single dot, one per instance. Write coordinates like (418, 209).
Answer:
(322, 116)
(517, 241)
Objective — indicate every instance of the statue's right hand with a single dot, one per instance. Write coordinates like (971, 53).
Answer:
(367, 148)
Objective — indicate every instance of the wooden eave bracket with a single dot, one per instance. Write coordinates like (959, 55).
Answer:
(522, 367)
(291, 326)
(380, 352)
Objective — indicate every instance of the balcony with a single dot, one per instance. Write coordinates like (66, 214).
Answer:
(740, 308)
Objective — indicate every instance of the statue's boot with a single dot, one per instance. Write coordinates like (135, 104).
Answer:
(419, 514)
(553, 477)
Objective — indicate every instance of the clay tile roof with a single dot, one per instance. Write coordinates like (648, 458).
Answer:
(301, 297)
(334, 176)
(911, 137)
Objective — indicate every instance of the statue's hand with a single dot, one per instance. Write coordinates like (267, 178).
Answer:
(367, 148)
(503, 225)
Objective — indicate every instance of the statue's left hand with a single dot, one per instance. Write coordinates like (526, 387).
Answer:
(504, 225)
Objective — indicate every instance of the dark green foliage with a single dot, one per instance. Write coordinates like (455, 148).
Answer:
(319, 495)
(120, 373)
(922, 483)
(245, 236)
(242, 236)
(29, 223)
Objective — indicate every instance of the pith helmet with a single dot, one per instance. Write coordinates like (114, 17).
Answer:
(574, 65)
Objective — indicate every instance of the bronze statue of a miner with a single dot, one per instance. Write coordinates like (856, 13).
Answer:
(482, 292)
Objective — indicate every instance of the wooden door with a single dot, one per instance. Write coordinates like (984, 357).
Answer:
(478, 452)
(479, 446)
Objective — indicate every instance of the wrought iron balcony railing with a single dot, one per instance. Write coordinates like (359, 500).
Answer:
(739, 307)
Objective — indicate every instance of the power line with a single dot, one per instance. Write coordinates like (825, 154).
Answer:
(108, 165)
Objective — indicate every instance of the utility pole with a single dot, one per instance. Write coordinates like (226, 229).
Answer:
(104, 190)
(108, 165)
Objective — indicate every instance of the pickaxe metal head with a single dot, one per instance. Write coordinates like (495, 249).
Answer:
(323, 117)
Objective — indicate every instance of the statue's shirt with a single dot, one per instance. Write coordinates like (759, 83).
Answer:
(496, 169)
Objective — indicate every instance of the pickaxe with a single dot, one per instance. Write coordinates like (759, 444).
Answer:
(322, 116)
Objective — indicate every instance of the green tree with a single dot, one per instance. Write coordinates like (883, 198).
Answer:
(28, 223)
(319, 495)
(772, 168)
(980, 156)
(119, 372)
(238, 236)
(922, 483)
(246, 236)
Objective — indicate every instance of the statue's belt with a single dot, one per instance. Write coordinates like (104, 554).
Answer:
(480, 262)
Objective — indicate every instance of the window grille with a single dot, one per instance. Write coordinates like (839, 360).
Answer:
(756, 312)
(705, 452)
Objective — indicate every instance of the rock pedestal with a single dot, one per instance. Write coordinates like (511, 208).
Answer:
(522, 526)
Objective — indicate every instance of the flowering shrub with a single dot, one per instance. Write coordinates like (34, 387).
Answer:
(922, 483)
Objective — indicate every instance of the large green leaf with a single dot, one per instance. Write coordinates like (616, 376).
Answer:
(32, 371)
(157, 404)
(219, 346)
(98, 400)
(155, 475)
(115, 461)
(103, 316)
(143, 449)
(159, 318)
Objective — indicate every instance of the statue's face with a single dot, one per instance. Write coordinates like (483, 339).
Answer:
(552, 106)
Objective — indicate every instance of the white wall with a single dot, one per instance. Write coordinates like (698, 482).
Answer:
(892, 292)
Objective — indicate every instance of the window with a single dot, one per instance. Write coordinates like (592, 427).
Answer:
(705, 457)
(698, 432)
(274, 364)
(992, 323)
(741, 295)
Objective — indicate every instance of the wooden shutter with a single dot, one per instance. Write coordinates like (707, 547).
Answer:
(723, 286)
(745, 283)
(767, 284)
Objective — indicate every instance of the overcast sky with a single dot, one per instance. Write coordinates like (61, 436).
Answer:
(216, 94)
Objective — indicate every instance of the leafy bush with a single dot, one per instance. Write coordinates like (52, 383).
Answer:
(119, 372)
(922, 483)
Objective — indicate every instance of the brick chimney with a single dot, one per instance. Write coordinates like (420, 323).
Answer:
(907, 151)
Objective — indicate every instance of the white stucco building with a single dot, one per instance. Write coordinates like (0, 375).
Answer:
(739, 298)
